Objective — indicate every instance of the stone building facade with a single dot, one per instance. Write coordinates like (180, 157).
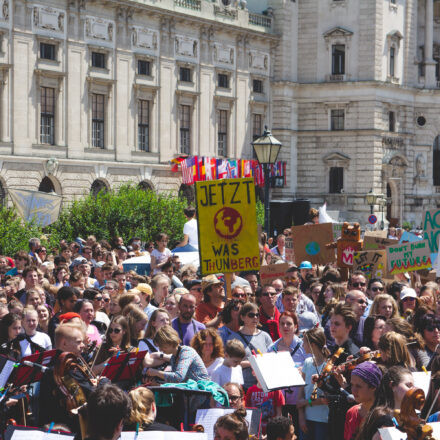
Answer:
(93, 94)
(97, 93)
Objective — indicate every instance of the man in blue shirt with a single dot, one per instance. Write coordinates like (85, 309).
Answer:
(185, 325)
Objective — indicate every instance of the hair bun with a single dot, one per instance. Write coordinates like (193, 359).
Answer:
(240, 413)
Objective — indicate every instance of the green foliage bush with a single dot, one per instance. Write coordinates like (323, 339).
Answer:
(127, 212)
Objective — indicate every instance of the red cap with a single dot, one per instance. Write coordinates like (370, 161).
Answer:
(68, 316)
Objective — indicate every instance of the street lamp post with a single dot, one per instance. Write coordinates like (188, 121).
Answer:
(371, 199)
(382, 202)
(266, 149)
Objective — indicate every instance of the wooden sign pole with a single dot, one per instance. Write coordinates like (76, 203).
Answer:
(228, 278)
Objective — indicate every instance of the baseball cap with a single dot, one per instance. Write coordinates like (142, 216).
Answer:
(144, 288)
(191, 283)
(209, 281)
(305, 265)
(100, 264)
(307, 320)
(68, 316)
(407, 292)
(122, 248)
(78, 260)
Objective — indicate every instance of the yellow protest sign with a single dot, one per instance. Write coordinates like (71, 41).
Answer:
(227, 226)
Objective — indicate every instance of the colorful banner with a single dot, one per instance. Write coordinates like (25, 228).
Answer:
(372, 263)
(309, 243)
(408, 257)
(227, 226)
(43, 207)
(431, 228)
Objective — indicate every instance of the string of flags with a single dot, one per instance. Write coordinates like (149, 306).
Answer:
(200, 168)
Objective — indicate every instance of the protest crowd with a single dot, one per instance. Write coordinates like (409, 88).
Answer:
(111, 340)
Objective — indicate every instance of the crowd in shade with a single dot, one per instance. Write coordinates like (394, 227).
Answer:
(355, 340)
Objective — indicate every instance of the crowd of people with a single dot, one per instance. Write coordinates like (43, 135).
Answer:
(356, 342)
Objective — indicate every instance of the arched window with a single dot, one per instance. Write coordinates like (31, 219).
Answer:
(46, 185)
(2, 194)
(98, 186)
(436, 162)
(146, 186)
(187, 192)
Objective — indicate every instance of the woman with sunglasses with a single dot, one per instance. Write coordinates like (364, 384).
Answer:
(252, 338)
(117, 341)
(42, 254)
(374, 328)
(428, 326)
(230, 318)
(375, 287)
(96, 297)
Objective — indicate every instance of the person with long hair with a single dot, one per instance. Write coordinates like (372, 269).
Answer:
(43, 317)
(10, 329)
(313, 414)
(428, 326)
(393, 350)
(384, 305)
(408, 302)
(230, 319)
(365, 381)
(158, 319)
(232, 426)
(374, 328)
(252, 338)
(137, 321)
(84, 308)
(331, 294)
(143, 412)
(209, 345)
(117, 341)
(380, 417)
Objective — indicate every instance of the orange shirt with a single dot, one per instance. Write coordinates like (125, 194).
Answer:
(206, 312)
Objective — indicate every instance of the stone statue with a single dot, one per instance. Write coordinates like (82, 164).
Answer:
(420, 166)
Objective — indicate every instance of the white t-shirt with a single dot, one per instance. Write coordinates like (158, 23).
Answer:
(39, 338)
(102, 317)
(160, 257)
(223, 374)
(218, 361)
(190, 229)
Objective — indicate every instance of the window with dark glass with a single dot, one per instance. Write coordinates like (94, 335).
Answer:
(257, 125)
(185, 129)
(143, 67)
(392, 61)
(222, 135)
(47, 51)
(338, 59)
(391, 121)
(223, 80)
(98, 119)
(436, 162)
(337, 117)
(257, 86)
(144, 125)
(47, 115)
(185, 74)
(336, 180)
(98, 60)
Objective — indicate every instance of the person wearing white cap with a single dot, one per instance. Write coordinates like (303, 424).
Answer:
(408, 300)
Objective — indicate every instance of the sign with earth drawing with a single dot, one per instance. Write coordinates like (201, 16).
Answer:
(309, 243)
(227, 226)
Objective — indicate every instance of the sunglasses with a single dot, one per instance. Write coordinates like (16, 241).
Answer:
(239, 295)
(362, 301)
(359, 284)
(252, 315)
(98, 298)
(199, 289)
(114, 330)
(431, 328)
(377, 289)
(107, 300)
(234, 398)
(269, 294)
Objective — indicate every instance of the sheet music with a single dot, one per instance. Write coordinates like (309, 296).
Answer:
(6, 372)
(394, 434)
(163, 435)
(422, 380)
(38, 435)
(208, 417)
(276, 370)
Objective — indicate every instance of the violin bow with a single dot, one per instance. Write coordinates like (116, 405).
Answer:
(102, 343)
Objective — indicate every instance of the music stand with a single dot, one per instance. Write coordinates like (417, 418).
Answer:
(123, 366)
(36, 433)
(25, 375)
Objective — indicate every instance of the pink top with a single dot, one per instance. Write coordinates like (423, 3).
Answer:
(93, 334)
(352, 422)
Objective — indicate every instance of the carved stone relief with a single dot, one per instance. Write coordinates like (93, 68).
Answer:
(49, 21)
(224, 55)
(186, 48)
(99, 30)
(144, 39)
(259, 61)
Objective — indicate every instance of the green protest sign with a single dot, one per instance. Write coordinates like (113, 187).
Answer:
(431, 228)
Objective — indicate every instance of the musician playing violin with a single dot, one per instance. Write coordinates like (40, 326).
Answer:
(68, 338)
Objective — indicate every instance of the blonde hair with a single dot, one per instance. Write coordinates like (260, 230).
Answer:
(394, 345)
(142, 400)
(166, 335)
(65, 331)
(374, 310)
(150, 330)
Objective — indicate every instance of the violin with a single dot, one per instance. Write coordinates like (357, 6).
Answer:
(407, 418)
(372, 356)
(326, 371)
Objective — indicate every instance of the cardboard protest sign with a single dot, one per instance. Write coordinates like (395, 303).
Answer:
(272, 272)
(431, 228)
(309, 243)
(227, 226)
(372, 241)
(408, 237)
(372, 263)
(288, 249)
(408, 257)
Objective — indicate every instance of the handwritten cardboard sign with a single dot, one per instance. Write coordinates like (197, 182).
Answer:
(288, 249)
(309, 243)
(372, 263)
(372, 241)
(272, 272)
(408, 257)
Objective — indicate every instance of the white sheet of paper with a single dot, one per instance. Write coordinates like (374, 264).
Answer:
(394, 434)
(208, 417)
(163, 435)
(422, 380)
(6, 372)
(276, 370)
(38, 435)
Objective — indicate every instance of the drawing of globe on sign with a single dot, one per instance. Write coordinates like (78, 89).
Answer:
(228, 222)
(313, 248)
